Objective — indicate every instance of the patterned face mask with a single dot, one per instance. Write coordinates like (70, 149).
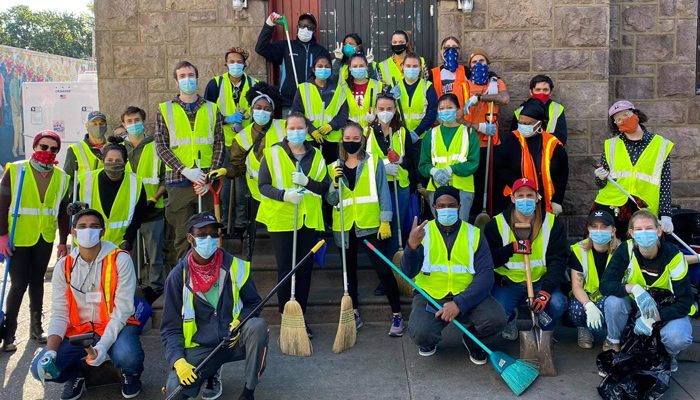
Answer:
(480, 74)
(451, 55)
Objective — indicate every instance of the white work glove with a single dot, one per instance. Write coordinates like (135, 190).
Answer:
(391, 169)
(300, 179)
(200, 190)
(195, 175)
(272, 19)
(293, 196)
(556, 208)
(440, 176)
(602, 173)
(666, 224)
(370, 117)
(594, 317)
(487, 128)
(470, 103)
(369, 56)
(338, 52)
(100, 359)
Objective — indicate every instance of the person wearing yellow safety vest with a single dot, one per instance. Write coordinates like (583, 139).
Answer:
(588, 260)
(541, 88)
(389, 141)
(350, 46)
(207, 294)
(86, 155)
(417, 97)
(247, 151)
(450, 154)
(639, 269)
(119, 196)
(367, 215)
(361, 91)
(548, 251)
(42, 210)
(144, 162)
(451, 261)
(92, 293)
(532, 152)
(390, 70)
(293, 176)
(190, 142)
(324, 106)
(640, 162)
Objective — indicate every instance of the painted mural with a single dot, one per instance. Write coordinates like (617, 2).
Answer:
(18, 66)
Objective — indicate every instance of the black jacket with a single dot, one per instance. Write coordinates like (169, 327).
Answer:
(278, 53)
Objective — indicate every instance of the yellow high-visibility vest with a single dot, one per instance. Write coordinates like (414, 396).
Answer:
(554, 111)
(275, 134)
(87, 160)
(443, 157)
(228, 106)
(591, 280)
(188, 144)
(515, 267)
(414, 107)
(397, 139)
(361, 204)
(390, 72)
(149, 171)
(357, 113)
(316, 113)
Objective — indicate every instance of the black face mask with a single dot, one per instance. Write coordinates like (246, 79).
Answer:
(352, 147)
(398, 48)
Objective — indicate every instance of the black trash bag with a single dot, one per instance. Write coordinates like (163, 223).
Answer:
(640, 371)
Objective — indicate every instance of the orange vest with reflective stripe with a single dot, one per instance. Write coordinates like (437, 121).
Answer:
(457, 89)
(110, 277)
(527, 166)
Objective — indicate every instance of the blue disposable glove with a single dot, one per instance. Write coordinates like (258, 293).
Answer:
(440, 176)
(470, 103)
(646, 303)
(235, 118)
(414, 137)
(487, 128)
(395, 92)
(643, 326)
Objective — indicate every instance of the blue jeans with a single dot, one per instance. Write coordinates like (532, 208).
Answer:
(404, 194)
(676, 335)
(577, 313)
(126, 354)
(465, 204)
(515, 294)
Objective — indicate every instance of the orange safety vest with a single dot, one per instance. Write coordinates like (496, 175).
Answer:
(457, 90)
(481, 111)
(110, 277)
(527, 166)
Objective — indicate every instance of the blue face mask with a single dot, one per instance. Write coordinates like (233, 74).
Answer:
(451, 55)
(236, 69)
(206, 246)
(188, 85)
(322, 73)
(135, 129)
(526, 130)
(448, 115)
(261, 117)
(358, 73)
(525, 206)
(411, 73)
(480, 73)
(447, 216)
(349, 50)
(296, 136)
(600, 237)
(646, 238)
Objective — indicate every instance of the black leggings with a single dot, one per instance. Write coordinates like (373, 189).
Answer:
(383, 271)
(282, 246)
(27, 268)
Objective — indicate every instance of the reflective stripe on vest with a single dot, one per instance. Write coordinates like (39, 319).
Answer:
(591, 280)
(225, 101)
(187, 143)
(40, 217)
(396, 142)
(414, 108)
(148, 170)
(355, 112)
(275, 134)
(642, 179)
(554, 111)
(457, 152)
(87, 160)
(390, 73)
(514, 269)
(529, 170)
(444, 273)
(238, 273)
(361, 204)
(315, 111)
(122, 211)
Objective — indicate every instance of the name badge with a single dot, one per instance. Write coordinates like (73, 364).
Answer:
(93, 297)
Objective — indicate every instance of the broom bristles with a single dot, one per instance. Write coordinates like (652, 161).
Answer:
(405, 288)
(517, 374)
(293, 338)
(346, 336)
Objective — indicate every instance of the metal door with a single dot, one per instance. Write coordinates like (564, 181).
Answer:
(376, 20)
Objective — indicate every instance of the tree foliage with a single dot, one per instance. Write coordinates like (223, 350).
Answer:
(63, 33)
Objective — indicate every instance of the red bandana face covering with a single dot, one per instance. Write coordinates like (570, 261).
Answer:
(45, 157)
(204, 276)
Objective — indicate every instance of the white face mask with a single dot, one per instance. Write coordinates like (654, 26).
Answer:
(87, 237)
(385, 116)
(304, 34)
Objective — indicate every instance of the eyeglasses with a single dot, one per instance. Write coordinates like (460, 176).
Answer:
(53, 149)
(622, 117)
(307, 26)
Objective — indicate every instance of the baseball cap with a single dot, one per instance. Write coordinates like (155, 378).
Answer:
(201, 220)
(600, 216)
(621, 105)
(524, 182)
(96, 114)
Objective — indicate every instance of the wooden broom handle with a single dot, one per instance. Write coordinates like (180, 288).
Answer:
(528, 277)
(91, 352)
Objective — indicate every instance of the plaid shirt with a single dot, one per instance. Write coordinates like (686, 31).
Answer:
(162, 135)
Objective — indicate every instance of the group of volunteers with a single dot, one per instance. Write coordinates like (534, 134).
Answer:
(340, 146)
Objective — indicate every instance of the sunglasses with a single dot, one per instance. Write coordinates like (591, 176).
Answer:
(53, 149)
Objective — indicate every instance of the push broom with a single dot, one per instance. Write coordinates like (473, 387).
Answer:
(347, 331)
(517, 374)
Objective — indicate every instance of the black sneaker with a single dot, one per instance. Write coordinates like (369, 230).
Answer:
(247, 394)
(131, 386)
(213, 387)
(476, 354)
(309, 332)
(427, 351)
(379, 290)
(73, 389)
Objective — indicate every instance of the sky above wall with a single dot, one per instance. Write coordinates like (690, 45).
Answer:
(73, 6)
